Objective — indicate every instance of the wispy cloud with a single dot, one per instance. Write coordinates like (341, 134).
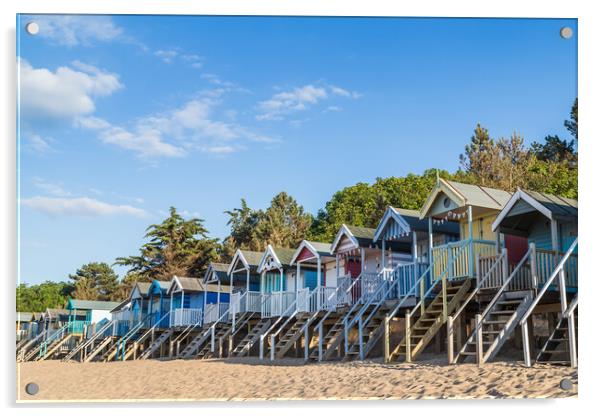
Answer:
(85, 207)
(67, 92)
(71, 30)
(37, 143)
(299, 99)
(50, 188)
(169, 56)
(175, 132)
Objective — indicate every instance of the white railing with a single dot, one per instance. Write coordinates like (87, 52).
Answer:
(280, 302)
(546, 261)
(266, 305)
(321, 298)
(124, 315)
(558, 274)
(185, 317)
(215, 312)
(370, 283)
(459, 257)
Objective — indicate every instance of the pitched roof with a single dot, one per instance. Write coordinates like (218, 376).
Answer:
(551, 206)
(362, 232)
(464, 194)
(285, 255)
(558, 205)
(252, 257)
(481, 196)
(193, 284)
(24, 316)
(121, 306)
(91, 304)
(320, 249)
(143, 287)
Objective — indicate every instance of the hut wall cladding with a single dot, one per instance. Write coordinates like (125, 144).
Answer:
(305, 254)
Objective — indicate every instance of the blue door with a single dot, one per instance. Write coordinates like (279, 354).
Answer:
(310, 278)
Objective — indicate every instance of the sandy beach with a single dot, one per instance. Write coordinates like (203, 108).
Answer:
(248, 379)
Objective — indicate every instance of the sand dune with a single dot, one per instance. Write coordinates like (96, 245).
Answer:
(248, 379)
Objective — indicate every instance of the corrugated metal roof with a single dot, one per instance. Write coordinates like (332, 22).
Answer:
(219, 267)
(481, 196)
(558, 206)
(192, 284)
(91, 304)
(323, 249)
(412, 217)
(24, 316)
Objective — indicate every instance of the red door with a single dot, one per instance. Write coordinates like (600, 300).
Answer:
(517, 247)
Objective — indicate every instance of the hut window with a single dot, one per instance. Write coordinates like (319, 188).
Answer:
(446, 202)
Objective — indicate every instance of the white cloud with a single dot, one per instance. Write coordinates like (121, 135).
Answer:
(54, 189)
(65, 93)
(36, 143)
(86, 207)
(332, 108)
(343, 92)
(298, 99)
(166, 56)
(76, 30)
(175, 132)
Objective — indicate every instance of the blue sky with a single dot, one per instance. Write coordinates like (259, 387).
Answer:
(122, 117)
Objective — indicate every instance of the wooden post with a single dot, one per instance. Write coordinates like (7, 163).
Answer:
(298, 276)
(320, 341)
(319, 277)
(450, 340)
(533, 261)
(306, 342)
(408, 338)
(479, 340)
(386, 339)
(526, 351)
(470, 244)
(562, 289)
(248, 278)
(572, 339)
(361, 337)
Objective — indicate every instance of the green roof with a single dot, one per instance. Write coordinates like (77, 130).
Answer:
(285, 255)
(252, 257)
(362, 232)
(91, 304)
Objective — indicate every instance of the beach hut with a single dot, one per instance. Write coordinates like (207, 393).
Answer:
(24, 320)
(454, 267)
(190, 297)
(315, 292)
(96, 310)
(541, 280)
(245, 296)
(139, 298)
(159, 304)
(277, 281)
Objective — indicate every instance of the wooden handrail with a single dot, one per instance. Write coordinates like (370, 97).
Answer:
(548, 282)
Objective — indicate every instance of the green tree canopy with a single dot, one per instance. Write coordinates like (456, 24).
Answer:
(95, 281)
(176, 247)
(37, 298)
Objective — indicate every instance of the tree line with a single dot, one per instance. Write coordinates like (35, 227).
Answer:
(177, 246)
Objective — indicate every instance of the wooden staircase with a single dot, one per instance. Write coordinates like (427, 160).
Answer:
(24, 349)
(251, 337)
(221, 332)
(53, 347)
(497, 325)
(556, 348)
(195, 344)
(105, 346)
(156, 344)
(332, 340)
(372, 331)
(432, 320)
(292, 334)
